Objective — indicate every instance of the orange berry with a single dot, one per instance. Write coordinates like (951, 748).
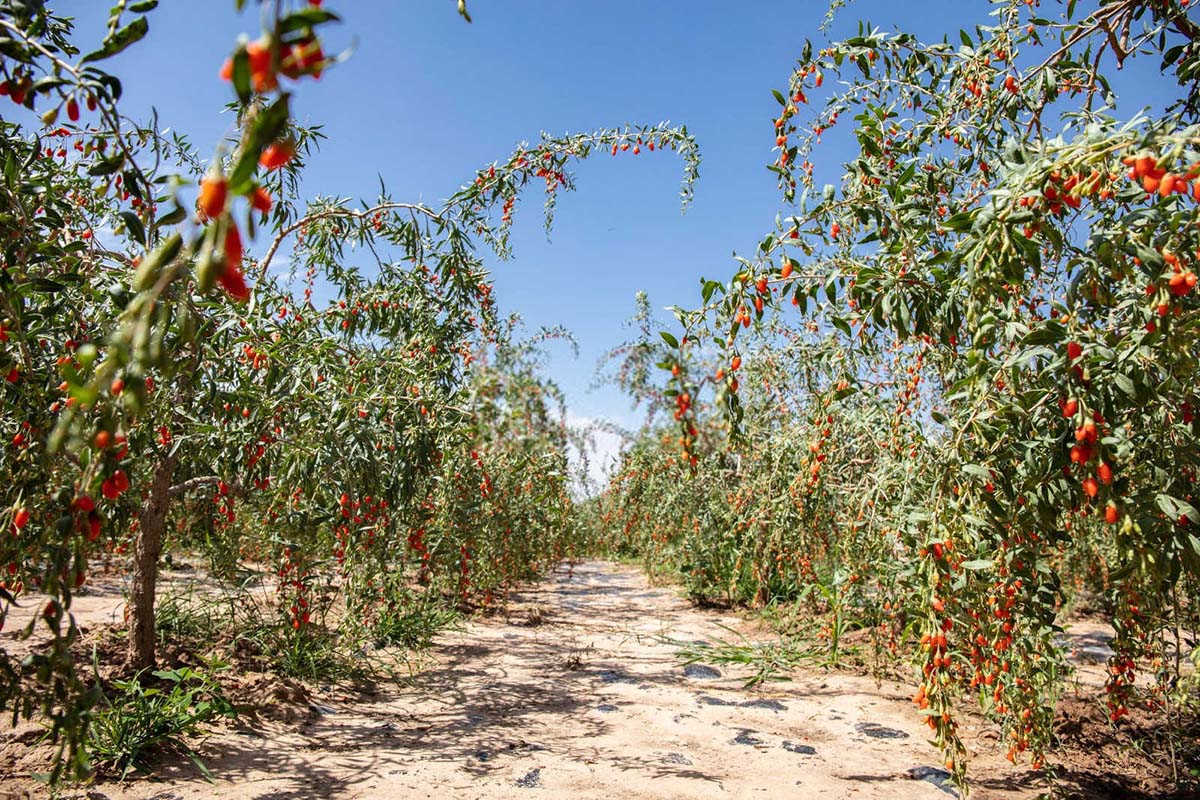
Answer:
(214, 191)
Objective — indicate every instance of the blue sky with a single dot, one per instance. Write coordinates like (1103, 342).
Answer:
(425, 99)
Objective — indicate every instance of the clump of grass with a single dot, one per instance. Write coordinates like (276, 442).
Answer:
(413, 627)
(185, 618)
(312, 653)
(144, 718)
(769, 661)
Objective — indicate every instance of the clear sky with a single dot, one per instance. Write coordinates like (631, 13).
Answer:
(425, 99)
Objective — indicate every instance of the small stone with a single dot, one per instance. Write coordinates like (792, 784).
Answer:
(613, 676)
(802, 749)
(876, 731)
(606, 708)
(701, 671)
(531, 779)
(746, 736)
(938, 777)
(677, 758)
(762, 702)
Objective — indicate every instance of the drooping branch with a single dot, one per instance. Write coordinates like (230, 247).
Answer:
(331, 213)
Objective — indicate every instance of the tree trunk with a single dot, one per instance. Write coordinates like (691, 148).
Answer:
(152, 519)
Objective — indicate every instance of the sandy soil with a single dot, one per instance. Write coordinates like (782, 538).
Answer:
(575, 694)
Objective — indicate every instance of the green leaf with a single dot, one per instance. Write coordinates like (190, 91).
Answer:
(172, 217)
(977, 471)
(979, 563)
(959, 222)
(1175, 508)
(113, 84)
(131, 183)
(306, 18)
(1049, 332)
(133, 224)
(669, 339)
(107, 166)
(1194, 544)
(119, 40)
(241, 75)
(1124, 383)
(903, 320)
(47, 83)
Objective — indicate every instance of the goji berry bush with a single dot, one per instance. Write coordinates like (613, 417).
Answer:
(195, 356)
(955, 391)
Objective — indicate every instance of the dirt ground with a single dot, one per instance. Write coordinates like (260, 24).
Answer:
(577, 691)
(574, 694)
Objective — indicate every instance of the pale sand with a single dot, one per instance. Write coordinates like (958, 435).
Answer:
(575, 695)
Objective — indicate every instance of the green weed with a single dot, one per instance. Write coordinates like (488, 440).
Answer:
(142, 720)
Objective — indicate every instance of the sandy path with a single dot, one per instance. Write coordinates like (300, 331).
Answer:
(586, 703)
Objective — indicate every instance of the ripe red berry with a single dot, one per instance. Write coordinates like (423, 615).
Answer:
(260, 200)
(276, 155)
(214, 191)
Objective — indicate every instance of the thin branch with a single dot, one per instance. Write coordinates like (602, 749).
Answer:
(192, 484)
(336, 212)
